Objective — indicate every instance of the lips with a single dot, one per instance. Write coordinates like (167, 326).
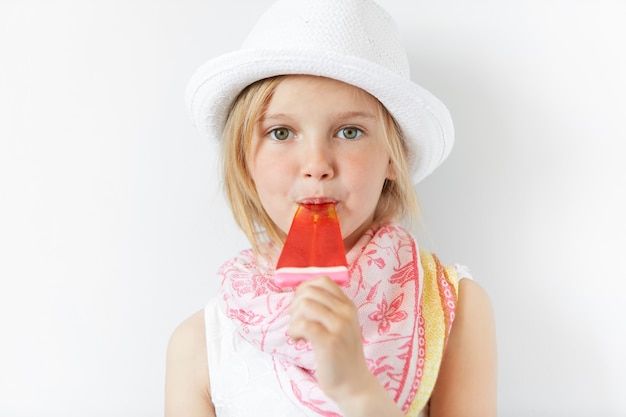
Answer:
(317, 200)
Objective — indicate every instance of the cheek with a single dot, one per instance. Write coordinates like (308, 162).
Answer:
(272, 181)
(373, 170)
(365, 184)
(268, 175)
(261, 167)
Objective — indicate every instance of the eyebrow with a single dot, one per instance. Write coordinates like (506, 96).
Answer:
(274, 116)
(338, 116)
(355, 115)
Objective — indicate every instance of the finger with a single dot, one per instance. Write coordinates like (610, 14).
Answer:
(318, 306)
(317, 295)
(322, 290)
(304, 329)
(324, 329)
(309, 308)
(324, 283)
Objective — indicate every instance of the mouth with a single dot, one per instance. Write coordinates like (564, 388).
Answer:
(317, 200)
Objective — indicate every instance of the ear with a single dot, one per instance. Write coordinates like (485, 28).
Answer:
(391, 171)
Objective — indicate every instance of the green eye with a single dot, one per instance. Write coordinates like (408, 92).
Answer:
(349, 132)
(281, 133)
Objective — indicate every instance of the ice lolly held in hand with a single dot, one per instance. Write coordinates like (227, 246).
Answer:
(313, 247)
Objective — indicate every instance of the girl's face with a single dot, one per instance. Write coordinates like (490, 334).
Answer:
(320, 140)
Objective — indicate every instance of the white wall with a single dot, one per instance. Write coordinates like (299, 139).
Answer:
(112, 226)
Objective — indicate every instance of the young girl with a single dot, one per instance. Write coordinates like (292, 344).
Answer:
(318, 107)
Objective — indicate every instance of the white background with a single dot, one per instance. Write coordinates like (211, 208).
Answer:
(112, 224)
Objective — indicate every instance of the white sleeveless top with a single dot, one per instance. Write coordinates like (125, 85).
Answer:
(242, 378)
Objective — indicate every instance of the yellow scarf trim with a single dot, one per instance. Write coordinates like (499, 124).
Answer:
(440, 291)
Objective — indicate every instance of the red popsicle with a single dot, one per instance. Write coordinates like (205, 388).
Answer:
(313, 247)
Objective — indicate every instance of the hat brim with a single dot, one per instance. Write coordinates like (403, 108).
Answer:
(423, 119)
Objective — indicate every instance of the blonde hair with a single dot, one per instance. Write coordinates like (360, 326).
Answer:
(398, 200)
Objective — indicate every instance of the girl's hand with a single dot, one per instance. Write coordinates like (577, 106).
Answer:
(324, 316)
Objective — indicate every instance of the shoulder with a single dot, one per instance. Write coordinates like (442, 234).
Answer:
(187, 344)
(468, 375)
(473, 299)
(187, 390)
(189, 335)
(474, 323)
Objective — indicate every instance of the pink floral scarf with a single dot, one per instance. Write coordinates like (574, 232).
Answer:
(385, 285)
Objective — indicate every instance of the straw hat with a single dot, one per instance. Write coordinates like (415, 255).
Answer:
(354, 41)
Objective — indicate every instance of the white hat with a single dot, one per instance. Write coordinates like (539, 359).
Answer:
(354, 41)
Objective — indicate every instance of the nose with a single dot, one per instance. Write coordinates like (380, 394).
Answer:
(318, 160)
